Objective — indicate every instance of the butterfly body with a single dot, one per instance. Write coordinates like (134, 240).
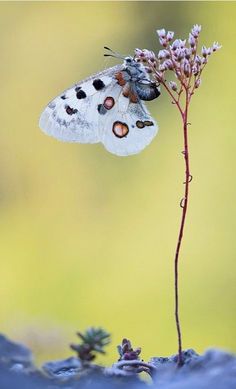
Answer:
(107, 108)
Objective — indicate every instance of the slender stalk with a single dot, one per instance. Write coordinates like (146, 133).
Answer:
(184, 206)
(187, 65)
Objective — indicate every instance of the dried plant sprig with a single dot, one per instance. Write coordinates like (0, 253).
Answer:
(182, 58)
(93, 341)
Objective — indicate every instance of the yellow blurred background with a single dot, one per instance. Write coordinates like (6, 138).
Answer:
(88, 238)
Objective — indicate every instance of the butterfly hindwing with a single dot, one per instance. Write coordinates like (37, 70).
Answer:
(73, 116)
(128, 129)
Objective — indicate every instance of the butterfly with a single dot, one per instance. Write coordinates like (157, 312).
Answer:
(106, 107)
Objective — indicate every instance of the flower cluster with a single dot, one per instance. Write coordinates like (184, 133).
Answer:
(179, 56)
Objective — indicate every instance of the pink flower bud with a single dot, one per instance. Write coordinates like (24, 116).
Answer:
(216, 46)
(191, 40)
(195, 69)
(163, 54)
(197, 83)
(188, 53)
(196, 30)
(173, 86)
(149, 55)
(169, 64)
(175, 45)
(161, 33)
(163, 42)
(179, 54)
(182, 43)
(186, 68)
(139, 52)
(198, 60)
(204, 51)
(170, 35)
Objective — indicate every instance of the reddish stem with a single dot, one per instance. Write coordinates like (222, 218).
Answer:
(184, 205)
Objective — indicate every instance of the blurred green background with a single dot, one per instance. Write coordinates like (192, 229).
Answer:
(88, 238)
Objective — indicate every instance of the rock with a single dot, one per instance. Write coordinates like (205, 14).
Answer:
(63, 368)
(215, 369)
(14, 353)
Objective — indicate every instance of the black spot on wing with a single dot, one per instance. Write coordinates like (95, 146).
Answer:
(148, 123)
(98, 84)
(81, 94)
(63, 97)
(70, 111)
(140, 124)
(101, 109)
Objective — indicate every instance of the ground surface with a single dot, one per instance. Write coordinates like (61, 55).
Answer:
(215, 369)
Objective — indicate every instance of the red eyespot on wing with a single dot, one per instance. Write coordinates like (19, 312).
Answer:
(120, 129)
(109, 102)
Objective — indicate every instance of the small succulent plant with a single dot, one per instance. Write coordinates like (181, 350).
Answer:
(93, 341)
(127, 353)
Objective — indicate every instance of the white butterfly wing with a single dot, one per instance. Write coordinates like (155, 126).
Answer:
(95, 110)
(73, 116)
(127, 128)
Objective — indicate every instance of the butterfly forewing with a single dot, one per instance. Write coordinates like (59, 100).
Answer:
(73, 115)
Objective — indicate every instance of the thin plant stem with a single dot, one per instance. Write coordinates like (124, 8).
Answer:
(187, 65)
(184, 206)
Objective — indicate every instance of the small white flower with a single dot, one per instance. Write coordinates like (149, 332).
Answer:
(175, 45)
(188, 53)
(191, 40)
(163, 42)
(185, 66)
(139, 52)
(178, 44)
(161, 33)
(162, 67)
(204, 51)
(148, 54)
(163, 54)
(209, 51)
(196, 30)
(198, 60)
(182, 43)
(195, 69)
(173, 86)
(167, 65)
(170, 35)
(216, 46)
(179, 54)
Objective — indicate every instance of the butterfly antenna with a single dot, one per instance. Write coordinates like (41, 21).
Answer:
(113, 54)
